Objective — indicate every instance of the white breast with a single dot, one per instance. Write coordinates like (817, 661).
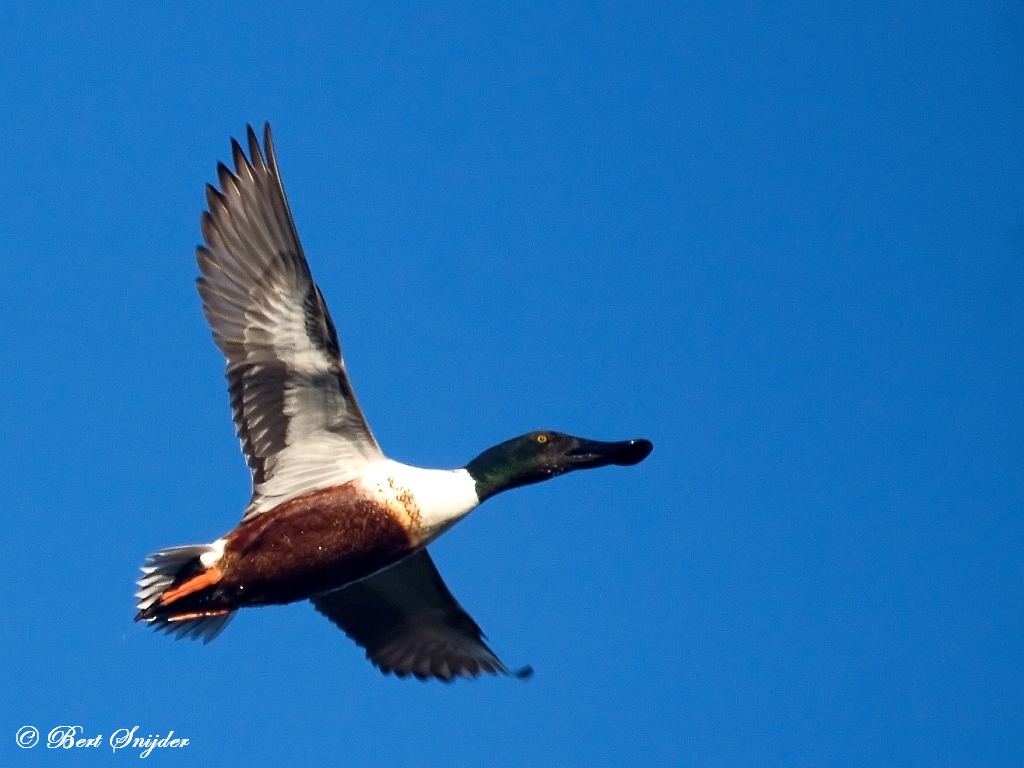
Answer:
(429, 501)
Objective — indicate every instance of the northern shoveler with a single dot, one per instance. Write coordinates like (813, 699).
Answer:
(331, 520)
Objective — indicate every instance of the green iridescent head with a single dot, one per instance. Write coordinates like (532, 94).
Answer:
(544, 454)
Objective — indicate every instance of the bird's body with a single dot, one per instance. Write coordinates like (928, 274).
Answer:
(331, 519)
(324, 538)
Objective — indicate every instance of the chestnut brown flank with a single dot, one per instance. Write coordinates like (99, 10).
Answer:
(309, 544)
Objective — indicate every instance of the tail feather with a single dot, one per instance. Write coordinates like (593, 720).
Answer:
(171, 568)
(163, 568)
(204, 626)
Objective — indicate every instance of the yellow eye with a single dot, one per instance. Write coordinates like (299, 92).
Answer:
(542, 438)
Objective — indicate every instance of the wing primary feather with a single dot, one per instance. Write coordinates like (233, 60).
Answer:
(241, 163)
(254, 145)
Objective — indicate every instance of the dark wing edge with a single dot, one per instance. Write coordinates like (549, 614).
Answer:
(409, 623)
(290, 393)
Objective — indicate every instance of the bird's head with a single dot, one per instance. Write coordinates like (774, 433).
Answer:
(544, 454)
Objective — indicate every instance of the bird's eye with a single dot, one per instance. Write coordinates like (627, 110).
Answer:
(542, 438)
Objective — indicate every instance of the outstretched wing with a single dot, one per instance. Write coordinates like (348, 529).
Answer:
(409, 623)
(295, 413)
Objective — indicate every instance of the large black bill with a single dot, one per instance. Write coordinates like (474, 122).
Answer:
(625, 453)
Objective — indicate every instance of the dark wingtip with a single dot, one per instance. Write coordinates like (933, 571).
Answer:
(225, 177)
(241, 161)
(255, 153)
(524, 673)
(268, 146)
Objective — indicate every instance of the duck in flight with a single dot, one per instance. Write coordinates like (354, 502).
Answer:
(331, 520)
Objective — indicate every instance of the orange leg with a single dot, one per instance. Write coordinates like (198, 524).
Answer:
(207, 578)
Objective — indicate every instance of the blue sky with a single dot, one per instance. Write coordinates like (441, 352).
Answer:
(783, 241)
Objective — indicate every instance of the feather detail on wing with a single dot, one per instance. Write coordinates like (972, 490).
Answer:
(409, 623)
(295, 412)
